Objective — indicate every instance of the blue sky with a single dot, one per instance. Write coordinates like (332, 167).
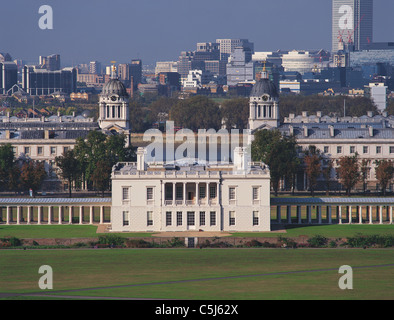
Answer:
(158, 30)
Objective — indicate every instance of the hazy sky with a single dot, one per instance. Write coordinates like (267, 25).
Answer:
(158, 30)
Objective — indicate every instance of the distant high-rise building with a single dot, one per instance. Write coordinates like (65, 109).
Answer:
(95, 67)
(352, 24)
(5, 57)
(240, 67)
(8, 76)
(50, 63)
(227, 46)
(37, 81)
(136, 72)
(166, 66)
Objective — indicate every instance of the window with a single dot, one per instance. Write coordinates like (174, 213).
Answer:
(149, 194)
(339, 149)
(231, 193)
(202, 218)
(179, 218)
(232, 218)
(202, 192)
(168, 218)
(326, 149)
(53, 150)
(125, 218)
(256, 193)
(150, 218)
(125, 194)
(391, 149)
(255, 218)
(190, 218)
(65, 149)
(378, 149)
(27, 150)
(365, 149)
(212, 192)
(213, 218)
(39, 150)
(179, 193)
(352, 149)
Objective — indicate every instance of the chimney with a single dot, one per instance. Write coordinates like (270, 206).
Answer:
(332, 131)
(241, 159)
(319, 114)
(141, 157)
(305, 131)
(370, 128)
(291, 116)
(8, 134)
(304, 114)
(46, 134)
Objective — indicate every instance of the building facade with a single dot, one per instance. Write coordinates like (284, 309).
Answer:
(190, 196)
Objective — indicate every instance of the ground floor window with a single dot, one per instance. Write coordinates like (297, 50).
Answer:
(179, 218)
(168, 218)
(213, 218)
(232, 218)
(125, 218)
(255, 218)
(202, 218)
(150, 218)
(190, 218)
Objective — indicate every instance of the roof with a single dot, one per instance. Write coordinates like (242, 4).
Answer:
(59, 201)
(264, 86)
(114, 86)
(327, 201)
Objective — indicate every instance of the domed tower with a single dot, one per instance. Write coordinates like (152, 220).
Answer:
(264, 104)
(114, 105)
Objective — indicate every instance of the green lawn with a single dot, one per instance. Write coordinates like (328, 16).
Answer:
(266, 268)
(329, 231)
(56, 231)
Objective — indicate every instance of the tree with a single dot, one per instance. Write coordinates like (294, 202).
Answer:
(348, 172)
(312, 161)
(278, 152)
(70, 168)
(32, 175)
(235, 113)
(327, 174)
(101, 176)
(7, 160)
(196, 113)
(384, 173)
(364, 172)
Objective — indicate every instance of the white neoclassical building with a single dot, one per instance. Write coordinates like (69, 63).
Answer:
(190, 196)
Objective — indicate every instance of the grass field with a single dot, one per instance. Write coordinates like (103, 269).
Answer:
(218, 274)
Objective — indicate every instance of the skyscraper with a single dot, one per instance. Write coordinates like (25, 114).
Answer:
(352, 24)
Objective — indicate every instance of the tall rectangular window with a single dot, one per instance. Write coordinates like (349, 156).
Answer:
(149, 217)
(53, 150)
(168, 218)
(231, 193)
(352, 149)
(190, 218)
(202, 192)
(256, 193)
(255, 218)
(40, 150)
(212, 192)
(125, 218)
(365, 149)
(378, 149)
(179, 193)
(179, 218)
(125, 194)
(212, 218)
(202, 218)
(339, 149)
(232, 218)
(149, 193)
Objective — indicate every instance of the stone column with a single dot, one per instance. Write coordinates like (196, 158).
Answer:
(309, 214)
(60, 215)
(91, 215)
(289, 214)
(339, 208)
(39, 215)
(299, 214)
(28, 214)
(381, 215)
(80, 214)
(329, 214)
(278, 214)
(18, 215)
(391, 215)
(50, 215)
(101, 214)
(196, 196)
(370, 214)
(318, 211)
(350, 214)
(360, 215)
(70, 215)
(173, 193)
(8, 215)
(184, 193)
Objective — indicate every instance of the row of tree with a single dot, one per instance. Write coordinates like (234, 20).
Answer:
(280, 154)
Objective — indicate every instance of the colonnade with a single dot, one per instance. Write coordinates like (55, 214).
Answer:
(62, 212)
(334, 214)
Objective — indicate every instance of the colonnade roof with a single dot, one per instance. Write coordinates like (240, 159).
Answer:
(54, 201)
(332, 201)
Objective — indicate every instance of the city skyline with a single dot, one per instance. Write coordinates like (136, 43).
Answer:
(124, 31)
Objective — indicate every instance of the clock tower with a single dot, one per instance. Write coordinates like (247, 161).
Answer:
(114, 105)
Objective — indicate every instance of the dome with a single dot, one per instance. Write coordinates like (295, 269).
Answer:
(114, 86)
(264, 86)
